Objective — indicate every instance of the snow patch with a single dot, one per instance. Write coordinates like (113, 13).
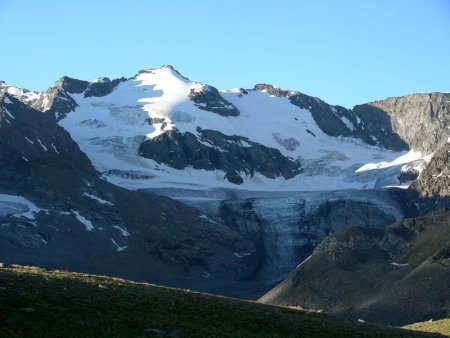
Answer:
(87, 223)
(8, 113)
(401, 160)
(13, 205)
(118, 247)
(203, 216)
(242, 254)
(98, 199)
(54, 148)
(42, 145)
(123, 231)
(347, 122)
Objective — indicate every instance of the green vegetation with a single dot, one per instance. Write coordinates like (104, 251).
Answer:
(36, 302)
(438, 326)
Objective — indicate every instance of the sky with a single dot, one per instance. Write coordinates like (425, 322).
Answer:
(346, 52)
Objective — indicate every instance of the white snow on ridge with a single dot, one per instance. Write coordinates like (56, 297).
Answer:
(109, 130)
(23, 95)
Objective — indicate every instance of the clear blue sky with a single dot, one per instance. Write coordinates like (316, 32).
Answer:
(343, 51)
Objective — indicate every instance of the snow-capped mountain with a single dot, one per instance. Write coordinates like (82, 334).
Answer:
(159, 129)
(270, 172)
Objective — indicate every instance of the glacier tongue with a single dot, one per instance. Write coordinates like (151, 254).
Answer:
(289, 224)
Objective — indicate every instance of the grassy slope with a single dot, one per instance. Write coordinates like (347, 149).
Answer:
(40, 303)
(438, 326)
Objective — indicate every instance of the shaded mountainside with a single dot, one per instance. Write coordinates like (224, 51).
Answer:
(420, 120)
(394, 276)
(56, 211)
(42, 303)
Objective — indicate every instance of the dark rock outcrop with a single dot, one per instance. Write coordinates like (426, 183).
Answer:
(56, 101)
(212, 150)
(431, 191)
(376, 128)
(209, 99)
(70, 85)
(420, 120)
(102, 87)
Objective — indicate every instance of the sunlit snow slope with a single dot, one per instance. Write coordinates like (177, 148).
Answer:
(110, 129)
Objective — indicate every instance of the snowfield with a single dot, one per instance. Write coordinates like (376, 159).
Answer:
(110, 129)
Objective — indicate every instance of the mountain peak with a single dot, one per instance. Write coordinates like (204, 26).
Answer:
(164, 68)
(71, 85)
(169, 67)
(274, 90)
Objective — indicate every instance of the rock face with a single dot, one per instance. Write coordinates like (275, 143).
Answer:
(55, 211)
(57, 100)
(212, 150)
(434, 181)
(431, 191)
(209, 99)
(394, 276)
(420, 120)
(101, 87)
